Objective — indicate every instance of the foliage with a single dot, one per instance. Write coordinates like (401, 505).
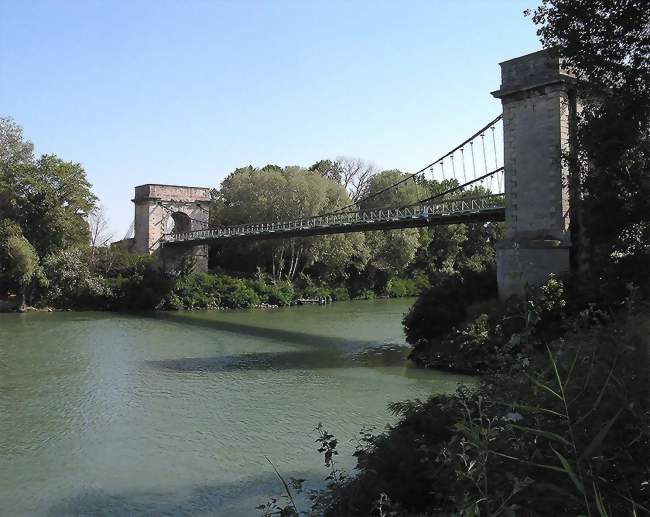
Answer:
(340, 294)
(362, 262)
(400, 287)
(50, 199)
(14, 149)
(444, 306)
(70, 280)
(280, 293)
(19, 263)
(498, 336)
(133, 281)
(273, 193)
(206, 291)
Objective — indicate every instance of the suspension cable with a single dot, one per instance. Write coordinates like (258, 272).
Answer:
(385, 189)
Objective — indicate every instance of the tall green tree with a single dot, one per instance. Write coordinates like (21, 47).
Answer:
(274, 194)
(50, 199)
(19, 263)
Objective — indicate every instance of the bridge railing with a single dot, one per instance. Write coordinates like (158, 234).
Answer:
(427, 211)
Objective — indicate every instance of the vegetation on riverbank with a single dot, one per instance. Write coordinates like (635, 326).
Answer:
(560, 429)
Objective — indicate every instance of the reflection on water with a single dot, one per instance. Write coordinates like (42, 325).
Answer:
(173, 413)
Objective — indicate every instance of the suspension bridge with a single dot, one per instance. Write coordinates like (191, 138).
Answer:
(510, 169)
(475, 195)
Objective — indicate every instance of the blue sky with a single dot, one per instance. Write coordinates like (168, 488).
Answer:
(153, 91)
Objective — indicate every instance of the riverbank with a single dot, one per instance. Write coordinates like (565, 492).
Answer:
(149, 289)
(561, 430)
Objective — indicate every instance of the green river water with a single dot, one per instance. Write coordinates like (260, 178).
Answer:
(174, 413)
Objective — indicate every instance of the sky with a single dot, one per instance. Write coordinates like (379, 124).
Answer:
(183, 92)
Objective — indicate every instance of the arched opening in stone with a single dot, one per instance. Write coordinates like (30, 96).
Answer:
(181, 223)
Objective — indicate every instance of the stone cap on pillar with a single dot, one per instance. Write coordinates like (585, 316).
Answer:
(532, 71)
(160, 192)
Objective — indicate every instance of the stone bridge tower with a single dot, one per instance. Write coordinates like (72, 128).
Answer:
(539, 107)
(161, 209)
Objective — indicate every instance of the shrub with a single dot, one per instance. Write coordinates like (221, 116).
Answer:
(276, 293)
(312, 291)
(205, 291)
(441, 308)
(365, 294)
(436, 311)
(196, 291)
(140, 289)
(70, 281)
(340, 294)
(401, 287)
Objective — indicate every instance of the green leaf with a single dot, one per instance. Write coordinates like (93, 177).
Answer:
(599, 502)
(286, 487)
(557, 373)
(567, 468)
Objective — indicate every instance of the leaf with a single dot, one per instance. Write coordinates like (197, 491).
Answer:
(600, 506)
(543, 386)
(598, 439)
(546, 434)
(286, 487)
(567, 468)
(557, 373)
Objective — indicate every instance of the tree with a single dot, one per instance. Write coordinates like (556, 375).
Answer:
(100, 235)
(51, 200)
(605, 43)
(392, 251)
(14, 149)
(19, 264)
(380, 195)
(356, 175)
(353, 173)
(273, 194)
(71, 282)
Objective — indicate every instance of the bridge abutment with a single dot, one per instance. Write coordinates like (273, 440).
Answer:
(538, 112)
(161, 209)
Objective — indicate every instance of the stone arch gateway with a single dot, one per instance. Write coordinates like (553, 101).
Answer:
(161, 209)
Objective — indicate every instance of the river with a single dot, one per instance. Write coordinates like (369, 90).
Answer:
(174, 413)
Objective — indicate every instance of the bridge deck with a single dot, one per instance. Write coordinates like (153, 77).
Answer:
(466, 210)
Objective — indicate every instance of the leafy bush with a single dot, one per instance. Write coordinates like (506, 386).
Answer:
(313, 291)
(70, 281)
(276, 293)
(401, 287)
(139, 289)
(365, 294)
(196, 291)
(340, 294)
(441, 308)
(235, 294)
(205, 291)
